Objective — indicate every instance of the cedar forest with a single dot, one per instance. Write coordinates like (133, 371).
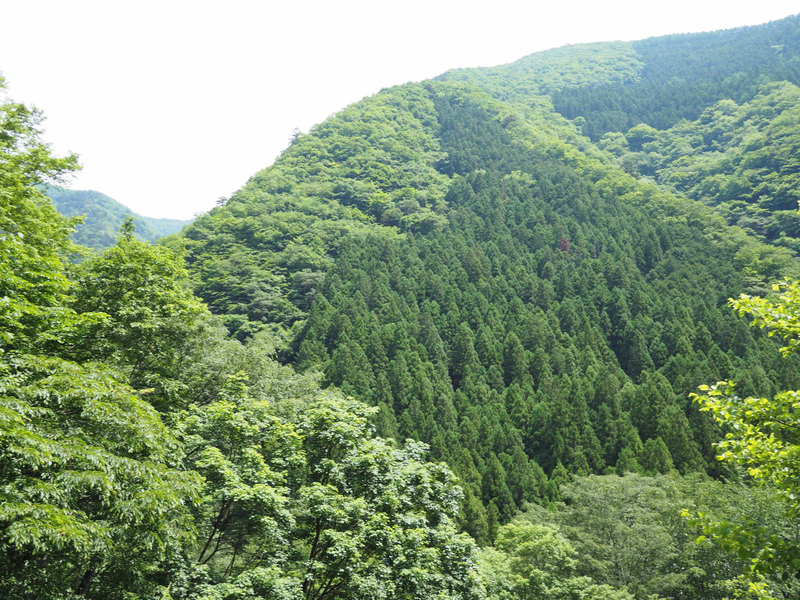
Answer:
(488, 336)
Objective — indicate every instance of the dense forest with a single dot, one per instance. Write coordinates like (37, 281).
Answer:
(658, 81)
(104, 217)
(460, 341)
(743, 159)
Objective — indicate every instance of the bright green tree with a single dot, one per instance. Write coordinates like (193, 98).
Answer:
(153, 321)
(34, 238)
(320, 508)
(92, 498)
(762, 438)
(91, 495)
(536, 562)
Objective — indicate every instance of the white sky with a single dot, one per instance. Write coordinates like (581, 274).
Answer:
(172, 104)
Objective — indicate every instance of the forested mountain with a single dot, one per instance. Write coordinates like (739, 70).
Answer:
(443, 348)
(539, 315)
(145, 455)
(658, 81)
(103, 217)
(710, 115)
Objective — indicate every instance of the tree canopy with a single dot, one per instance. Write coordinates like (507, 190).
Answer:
(762, 439)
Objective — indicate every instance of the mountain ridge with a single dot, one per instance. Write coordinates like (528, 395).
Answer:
(104, 216)
(678, 74)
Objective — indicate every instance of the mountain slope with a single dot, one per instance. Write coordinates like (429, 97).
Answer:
(554, 323)
(616, 85)
(479, 272)
(531, 305)
(736, 88)
(743, 159)
(104, 217)
(371, 168)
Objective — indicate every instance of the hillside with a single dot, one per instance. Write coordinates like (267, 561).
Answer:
(104, 216)
(658, 81)
(496, 286)
(709, 115)
(740, 158)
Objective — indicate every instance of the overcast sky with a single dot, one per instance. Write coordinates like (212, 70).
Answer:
(172, 104)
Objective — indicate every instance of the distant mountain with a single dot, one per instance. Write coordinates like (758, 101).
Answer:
(104, 217)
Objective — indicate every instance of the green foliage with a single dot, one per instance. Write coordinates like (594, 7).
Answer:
(34, 239)
(624, 537)
(762, 439)
(251, 483)
(91, 493)
(628, 533)
(613, 86)
(681, 75)
(536, 562)
(741, 159)
(548, 317)
(778, 315)
(103, 218)
(91, 490)
(241, 453)
(152, 316)
(548, 72)
(508, 300)
(553, 321)
(320, 508)
(261, 257)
